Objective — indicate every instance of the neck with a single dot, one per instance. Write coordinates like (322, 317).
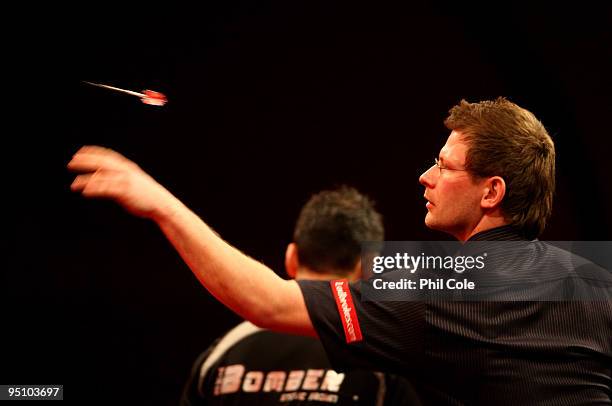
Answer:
(306, 273)
(485, 223)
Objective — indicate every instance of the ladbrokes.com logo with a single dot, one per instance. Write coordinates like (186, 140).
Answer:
(346, 309)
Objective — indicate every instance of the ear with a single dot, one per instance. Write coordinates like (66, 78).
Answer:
(292, 262)
(494, 192)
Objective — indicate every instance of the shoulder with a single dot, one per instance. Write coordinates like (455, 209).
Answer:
(225, 343)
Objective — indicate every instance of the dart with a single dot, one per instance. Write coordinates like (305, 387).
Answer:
(147, 96)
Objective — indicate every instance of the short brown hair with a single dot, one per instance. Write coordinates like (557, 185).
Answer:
(508, 141)
(331, 227)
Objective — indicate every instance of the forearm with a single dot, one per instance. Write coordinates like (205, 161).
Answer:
(246, 286)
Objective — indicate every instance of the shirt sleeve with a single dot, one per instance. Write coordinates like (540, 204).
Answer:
(191, 395)
(387, 336)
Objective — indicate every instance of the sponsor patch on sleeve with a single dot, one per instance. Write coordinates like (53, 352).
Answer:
(346, 309)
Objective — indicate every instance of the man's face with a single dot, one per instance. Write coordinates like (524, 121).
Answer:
(453, 195)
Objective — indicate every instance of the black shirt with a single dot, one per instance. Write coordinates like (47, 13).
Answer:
(474, 353)
(252, 366)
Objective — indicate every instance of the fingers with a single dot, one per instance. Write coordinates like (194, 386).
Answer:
(109, 175)
(99, 184)
(96, 149)
(86, 162)
(80, 182)
(93, 158)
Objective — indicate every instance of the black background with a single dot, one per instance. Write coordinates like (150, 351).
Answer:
(268, 103)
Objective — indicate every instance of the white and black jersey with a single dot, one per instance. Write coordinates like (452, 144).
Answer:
(253, 366)
(473, 353)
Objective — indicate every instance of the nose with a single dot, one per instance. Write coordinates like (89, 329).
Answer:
(427, 178)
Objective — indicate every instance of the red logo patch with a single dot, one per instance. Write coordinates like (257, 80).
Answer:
(346, 309)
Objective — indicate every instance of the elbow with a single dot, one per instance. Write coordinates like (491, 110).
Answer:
(266, 315)
(273, 311)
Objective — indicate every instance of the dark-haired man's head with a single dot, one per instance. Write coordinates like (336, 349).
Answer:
(328, 235)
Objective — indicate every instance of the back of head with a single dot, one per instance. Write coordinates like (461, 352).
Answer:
(331, 227)
(508, 141)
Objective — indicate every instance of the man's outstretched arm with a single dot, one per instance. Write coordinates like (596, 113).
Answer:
(246, 286)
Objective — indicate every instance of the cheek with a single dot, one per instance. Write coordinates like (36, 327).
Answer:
(452, 192)
(458, 196)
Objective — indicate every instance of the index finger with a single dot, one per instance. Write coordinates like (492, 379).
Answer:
(91, 159)
(103, 151)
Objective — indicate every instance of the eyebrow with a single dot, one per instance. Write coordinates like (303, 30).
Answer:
(443, 162)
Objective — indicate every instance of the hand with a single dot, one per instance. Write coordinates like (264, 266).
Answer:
(108, 174)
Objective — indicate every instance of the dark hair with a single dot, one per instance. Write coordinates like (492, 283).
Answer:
(331, 227)
(508, 141)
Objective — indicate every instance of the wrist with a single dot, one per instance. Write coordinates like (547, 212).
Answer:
(167, 208)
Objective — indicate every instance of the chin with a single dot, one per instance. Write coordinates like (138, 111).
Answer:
(429, 222)
(432, 224)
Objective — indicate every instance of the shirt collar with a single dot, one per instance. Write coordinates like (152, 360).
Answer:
(503, 233)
